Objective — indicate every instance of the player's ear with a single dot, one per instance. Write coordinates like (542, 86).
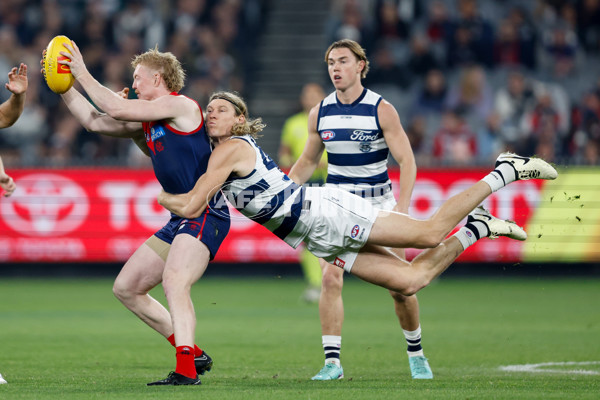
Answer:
(156, 79)
(361, 65)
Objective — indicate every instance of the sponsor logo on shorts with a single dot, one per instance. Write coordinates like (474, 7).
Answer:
(355, 231)
(469, 234)
(339, 262)
(327, 135)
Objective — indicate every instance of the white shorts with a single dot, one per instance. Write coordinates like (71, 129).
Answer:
(340, 224)
(386, 202)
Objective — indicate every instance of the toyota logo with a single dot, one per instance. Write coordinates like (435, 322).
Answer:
(45, 205)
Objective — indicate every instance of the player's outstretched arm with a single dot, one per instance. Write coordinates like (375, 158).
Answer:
(117, 107)
(12, 108)
(310, 158)
(234, 156)
(98, 122)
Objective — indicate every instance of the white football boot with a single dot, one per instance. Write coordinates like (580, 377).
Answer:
(528, 167)
(497, 227)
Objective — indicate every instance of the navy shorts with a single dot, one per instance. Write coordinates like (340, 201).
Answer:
(210, 228)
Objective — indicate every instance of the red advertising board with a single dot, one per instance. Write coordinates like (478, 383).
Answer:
(103, 215)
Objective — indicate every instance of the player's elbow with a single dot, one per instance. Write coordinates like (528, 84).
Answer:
(117, 113)
(190, 211)
(116, 109)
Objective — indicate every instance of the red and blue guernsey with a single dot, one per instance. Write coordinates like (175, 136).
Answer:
(179, 159)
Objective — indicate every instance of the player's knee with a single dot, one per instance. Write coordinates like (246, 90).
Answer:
(416, 283)
(398, 297)
(169, 282)
(412, 289)
(333, 279)
(121, 291)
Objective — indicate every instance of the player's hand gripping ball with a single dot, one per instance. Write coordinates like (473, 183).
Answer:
(58, 76)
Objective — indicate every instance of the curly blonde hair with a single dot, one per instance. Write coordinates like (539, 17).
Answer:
(166, 64)
(250, 127)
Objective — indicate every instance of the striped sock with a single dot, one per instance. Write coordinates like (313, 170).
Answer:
(413, 339)
(332, 346)
(504, 174)
(471, 232)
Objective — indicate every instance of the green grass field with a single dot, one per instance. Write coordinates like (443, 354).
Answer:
(71, 339)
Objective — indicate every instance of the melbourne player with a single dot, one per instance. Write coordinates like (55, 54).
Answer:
(170, 129)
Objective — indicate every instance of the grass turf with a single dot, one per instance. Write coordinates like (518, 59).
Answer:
(71, 339)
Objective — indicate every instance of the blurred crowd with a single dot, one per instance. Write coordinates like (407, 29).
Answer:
(471, 78)
(212, 39)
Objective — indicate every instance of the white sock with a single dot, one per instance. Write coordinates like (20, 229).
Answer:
(503, 175)
(471, 232)
(332, 346)
(413, 338)
(466, 237)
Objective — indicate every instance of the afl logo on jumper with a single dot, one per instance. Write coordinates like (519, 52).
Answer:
(45, 205)
(327, 135)
(355, 231)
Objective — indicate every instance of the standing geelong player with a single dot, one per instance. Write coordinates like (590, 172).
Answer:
(358, 129)
(170, 129)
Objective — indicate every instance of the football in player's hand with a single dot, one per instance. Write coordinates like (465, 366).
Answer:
(58, 76)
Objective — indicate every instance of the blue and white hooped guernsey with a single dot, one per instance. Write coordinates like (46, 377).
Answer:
(268, 196)
(356, 149)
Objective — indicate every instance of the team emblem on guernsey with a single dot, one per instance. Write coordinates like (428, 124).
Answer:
(327, 135)
(355, 231)
(365, 147)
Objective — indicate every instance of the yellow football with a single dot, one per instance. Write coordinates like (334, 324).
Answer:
(58, 76)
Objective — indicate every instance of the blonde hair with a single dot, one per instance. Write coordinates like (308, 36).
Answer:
(250, 126)
(166, 64)
(355, 48)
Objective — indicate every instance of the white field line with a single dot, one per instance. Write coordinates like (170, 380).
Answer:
(547, 367)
